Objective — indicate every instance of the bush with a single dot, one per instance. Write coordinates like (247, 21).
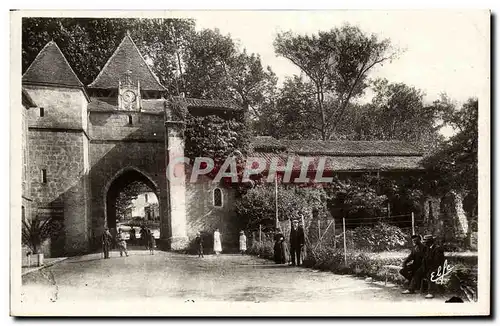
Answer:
(381, 237)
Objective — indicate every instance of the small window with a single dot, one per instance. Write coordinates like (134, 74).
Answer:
(146, 198)
(44, 175)
(130, 120)
(217, 197)
(42, 112)
(23, 213)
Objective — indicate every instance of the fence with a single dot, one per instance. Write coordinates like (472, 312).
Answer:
(340, 233)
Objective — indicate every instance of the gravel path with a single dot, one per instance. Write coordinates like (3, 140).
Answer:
(226, 278)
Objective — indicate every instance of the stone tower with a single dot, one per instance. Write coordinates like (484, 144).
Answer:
(58, 145)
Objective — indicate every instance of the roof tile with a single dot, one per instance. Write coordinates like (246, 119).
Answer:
(127, 57)
(51, 67)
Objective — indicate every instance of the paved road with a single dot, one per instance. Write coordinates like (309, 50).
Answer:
(213, 278)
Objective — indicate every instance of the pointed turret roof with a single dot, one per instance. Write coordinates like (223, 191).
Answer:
(127, 58)
(50, 67)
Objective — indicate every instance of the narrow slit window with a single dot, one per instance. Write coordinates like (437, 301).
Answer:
(42, 112)
(146, 198)
(130, 120)
(217, 197)
(44, 175)
(23, 213)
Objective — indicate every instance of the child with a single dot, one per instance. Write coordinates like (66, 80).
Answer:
(151, 241)
(279, 249)
(122, 244)
(243, 243)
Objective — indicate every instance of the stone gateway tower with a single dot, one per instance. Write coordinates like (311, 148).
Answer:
(87, 143)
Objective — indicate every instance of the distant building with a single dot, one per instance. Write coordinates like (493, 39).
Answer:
(141, 206)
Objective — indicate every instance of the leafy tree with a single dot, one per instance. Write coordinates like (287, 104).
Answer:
(454, 165)
(398, 112)
(87, 43)
(127, 196)
(256, 206)
(217, 69)
(337, 63)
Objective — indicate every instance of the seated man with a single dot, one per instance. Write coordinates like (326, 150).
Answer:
(414, 259)
(433, 260)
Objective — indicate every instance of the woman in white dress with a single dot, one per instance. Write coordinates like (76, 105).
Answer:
(217, 242)
(243, 242)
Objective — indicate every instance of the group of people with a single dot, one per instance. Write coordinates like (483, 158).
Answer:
(109, 242)
(217, 243)
(297, 240)
(425, 259)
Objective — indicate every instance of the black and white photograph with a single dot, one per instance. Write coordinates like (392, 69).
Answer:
(239, 163)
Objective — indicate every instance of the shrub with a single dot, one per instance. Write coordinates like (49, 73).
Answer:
(381, 237)
(35, 232)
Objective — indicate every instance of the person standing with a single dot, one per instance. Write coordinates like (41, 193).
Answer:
(144, 236)
(107, 240)
(122, 244)
(243, 242)
(217, 242)
(279, 249)
(414, 260)
(199, 244)
(132, 235)
(151, 241)
(296, 242)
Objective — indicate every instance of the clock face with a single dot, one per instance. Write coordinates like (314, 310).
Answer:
(129, 96)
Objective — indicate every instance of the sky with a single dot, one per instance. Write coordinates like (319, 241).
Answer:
(444, 51)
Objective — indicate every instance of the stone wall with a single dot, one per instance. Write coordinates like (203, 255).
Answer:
(204, 217)
(61, 155)
(62, 107)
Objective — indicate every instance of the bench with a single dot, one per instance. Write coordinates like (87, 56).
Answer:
(389, 268)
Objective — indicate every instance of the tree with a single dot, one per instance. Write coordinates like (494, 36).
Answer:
(454, 165)
(87, 43)
(453, 169)
(337, 63)
(398, 112)
(127, 196)
(215, 68)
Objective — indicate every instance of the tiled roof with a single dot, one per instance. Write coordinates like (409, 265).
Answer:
(127, 57)
(50, 67)
(345, 163)
(337, 148)
(208, 104)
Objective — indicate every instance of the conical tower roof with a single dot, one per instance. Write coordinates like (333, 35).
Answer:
(127, 59)
(50, 67)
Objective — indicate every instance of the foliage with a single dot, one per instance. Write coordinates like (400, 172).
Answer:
(337, 63)
(454, 165)
(35, 232)
(217, 68)
(214, 137)
(128, 194)
(87, 43)
(381, 237)
(397, 112)
(201, 64)
(257, 205)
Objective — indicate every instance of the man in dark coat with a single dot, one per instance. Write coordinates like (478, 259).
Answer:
(414, 259)
(199, 244)
(296, 241)
(107, 240)
(433, 258)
